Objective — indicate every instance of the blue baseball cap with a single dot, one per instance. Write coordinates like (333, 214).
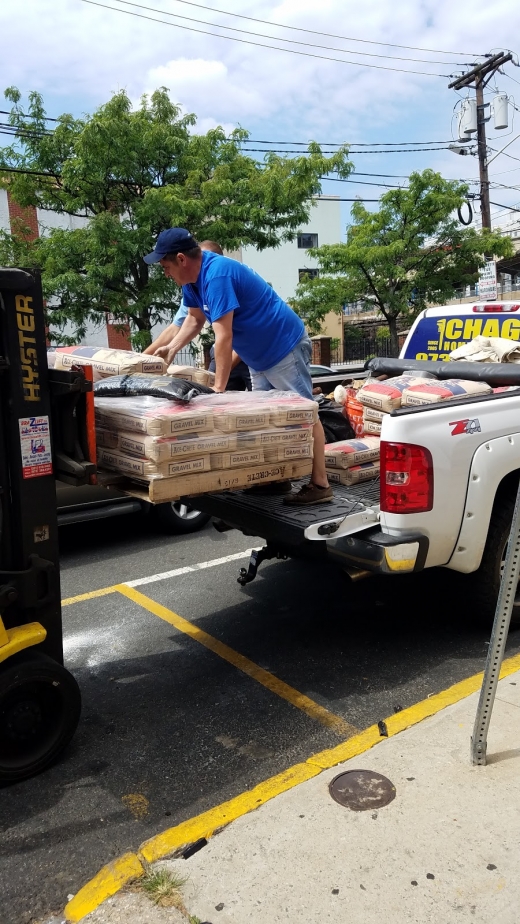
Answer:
(174, 240)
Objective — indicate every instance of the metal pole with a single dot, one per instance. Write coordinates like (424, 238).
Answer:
(497, 642)
(482, 154)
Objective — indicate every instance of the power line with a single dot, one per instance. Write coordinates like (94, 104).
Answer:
(43, 131)
(345, 38)
(3, 169)
(508, 207)
(26, 116)
(512, 78)
(291, 51)
(55, 176)
(21, 132)
(366, 183)
(366, 54)
(385, 151)
(392, 176)
(358, 144)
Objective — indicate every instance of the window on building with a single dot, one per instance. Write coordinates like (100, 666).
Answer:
(307, 274)
(307, 240)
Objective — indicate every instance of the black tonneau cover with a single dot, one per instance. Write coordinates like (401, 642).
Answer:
(495, 374)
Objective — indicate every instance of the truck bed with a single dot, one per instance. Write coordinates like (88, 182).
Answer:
(268, 516)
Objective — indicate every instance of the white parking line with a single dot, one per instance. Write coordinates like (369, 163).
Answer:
(200, 566)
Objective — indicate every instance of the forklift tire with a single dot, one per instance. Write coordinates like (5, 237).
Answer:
(40, 705)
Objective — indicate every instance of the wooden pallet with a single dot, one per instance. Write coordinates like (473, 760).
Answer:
(162, 490)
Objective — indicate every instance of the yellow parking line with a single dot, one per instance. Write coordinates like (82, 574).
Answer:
(334, 722)
(102, 592)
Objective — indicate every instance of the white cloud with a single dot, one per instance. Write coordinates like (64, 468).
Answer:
(77, 55)
(191, 82)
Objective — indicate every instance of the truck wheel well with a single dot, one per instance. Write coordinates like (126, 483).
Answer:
(507, 487)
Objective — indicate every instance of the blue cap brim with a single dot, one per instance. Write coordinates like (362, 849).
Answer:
(153, 257)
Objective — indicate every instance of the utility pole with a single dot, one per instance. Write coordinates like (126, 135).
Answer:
(479, 76)
(485, 210)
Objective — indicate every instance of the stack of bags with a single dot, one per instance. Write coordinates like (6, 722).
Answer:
(352, 461)
(428, 392)
(107, 362)
(381, 398)
(211, 443)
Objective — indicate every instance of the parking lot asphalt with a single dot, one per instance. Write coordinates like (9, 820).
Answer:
(195, 689)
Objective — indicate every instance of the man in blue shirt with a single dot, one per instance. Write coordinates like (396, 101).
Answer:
(167, 335)
(247, 317)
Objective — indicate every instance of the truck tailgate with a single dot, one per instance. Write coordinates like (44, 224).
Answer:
(353, 508)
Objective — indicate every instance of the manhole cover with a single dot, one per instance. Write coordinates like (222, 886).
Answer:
(361, 790)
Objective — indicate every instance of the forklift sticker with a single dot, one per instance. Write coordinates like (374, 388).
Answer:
(465, 426)
(35, 444)
(27, 340)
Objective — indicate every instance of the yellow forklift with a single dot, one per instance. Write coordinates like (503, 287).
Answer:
(44, 434)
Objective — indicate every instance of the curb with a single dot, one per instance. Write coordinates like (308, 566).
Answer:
(115, 875)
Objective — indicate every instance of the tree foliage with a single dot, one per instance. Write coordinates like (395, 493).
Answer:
(409, 253)
(123, 175)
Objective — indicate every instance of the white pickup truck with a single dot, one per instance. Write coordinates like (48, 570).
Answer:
(449, 474)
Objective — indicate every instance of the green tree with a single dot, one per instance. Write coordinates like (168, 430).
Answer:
(410, 253)
(123, 175)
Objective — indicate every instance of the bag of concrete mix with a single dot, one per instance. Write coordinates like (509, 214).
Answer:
(348, 453)
(371, 427)
(387, 395)
(270, 439)
(289, 453)
(146, 469)
(108, 439)
(355, 475)
(238, 459)
(161, 448)
(152, 416)
(429, 392)
(192, 374)
(108, 362)
(370, 413)
(258, 410)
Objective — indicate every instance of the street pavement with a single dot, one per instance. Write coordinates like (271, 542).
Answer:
(444, 850)
(172, 727)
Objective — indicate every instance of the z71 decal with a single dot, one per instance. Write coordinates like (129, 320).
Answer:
(465, 426)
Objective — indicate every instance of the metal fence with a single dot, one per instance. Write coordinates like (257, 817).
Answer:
(364, 348)
(190, 356)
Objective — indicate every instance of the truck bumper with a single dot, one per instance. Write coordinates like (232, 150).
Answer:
(378, 552)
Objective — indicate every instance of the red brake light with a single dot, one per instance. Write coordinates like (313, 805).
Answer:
(406, 478)
(494, 308)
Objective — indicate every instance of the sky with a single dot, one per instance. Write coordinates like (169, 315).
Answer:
(76, 54)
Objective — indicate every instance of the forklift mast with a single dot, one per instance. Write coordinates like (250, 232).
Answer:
(45, 416)
(42, 434)
(29, 557)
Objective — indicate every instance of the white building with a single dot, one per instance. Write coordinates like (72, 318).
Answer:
(283, 266)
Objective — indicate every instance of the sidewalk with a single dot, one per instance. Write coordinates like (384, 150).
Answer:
(445, 850)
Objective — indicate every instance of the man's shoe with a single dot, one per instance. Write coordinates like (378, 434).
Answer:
(309, 494)
(271, 489)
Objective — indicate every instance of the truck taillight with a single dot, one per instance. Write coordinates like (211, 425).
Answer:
(406, 478)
